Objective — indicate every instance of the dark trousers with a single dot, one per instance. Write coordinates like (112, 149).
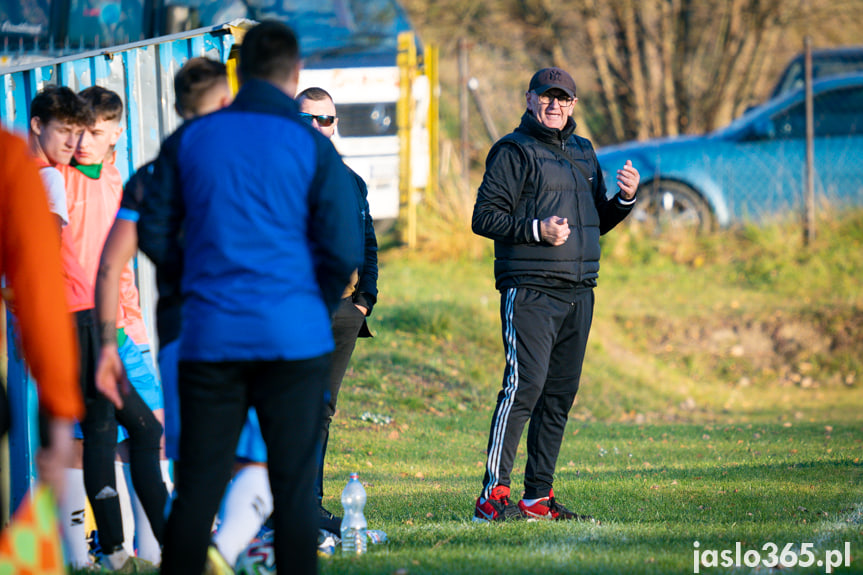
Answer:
(544, 340)
(214, 399)
(347, 322)
(100, 447)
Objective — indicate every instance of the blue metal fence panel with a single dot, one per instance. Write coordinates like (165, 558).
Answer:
(142, 74)
(24, 433)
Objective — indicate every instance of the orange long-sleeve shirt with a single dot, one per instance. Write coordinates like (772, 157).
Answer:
(93, 205)
(30, 259)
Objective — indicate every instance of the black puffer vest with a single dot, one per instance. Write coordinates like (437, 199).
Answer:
(554, 187)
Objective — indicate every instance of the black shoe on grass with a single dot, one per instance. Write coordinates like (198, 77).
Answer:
(329, 522)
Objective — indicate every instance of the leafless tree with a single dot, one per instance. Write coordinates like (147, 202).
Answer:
(661, 67)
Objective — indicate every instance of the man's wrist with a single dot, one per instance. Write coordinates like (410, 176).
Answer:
(624, 201)
(108, 333)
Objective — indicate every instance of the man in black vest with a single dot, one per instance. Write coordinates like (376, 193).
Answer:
(543, 201)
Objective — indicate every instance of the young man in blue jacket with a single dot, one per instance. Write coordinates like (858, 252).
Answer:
(249, 211)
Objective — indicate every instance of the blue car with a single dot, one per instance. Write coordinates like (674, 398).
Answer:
(754, 168)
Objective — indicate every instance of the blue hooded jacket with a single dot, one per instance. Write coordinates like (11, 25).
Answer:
(250, 213)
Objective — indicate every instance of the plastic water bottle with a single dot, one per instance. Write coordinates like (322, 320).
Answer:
(354, 522)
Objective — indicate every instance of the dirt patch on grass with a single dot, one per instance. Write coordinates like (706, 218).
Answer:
(808, 349)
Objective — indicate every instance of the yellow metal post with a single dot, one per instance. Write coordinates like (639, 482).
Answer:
(233, 79)
(432, 71)
(407, 62)
(239, 32)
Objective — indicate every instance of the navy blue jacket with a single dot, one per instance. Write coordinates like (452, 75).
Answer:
(366, 290)
(250, 211)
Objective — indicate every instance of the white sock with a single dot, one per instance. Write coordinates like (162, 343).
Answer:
(247, 505)
(165, 464)
(145, 542)
(73, 526)
(121, 471)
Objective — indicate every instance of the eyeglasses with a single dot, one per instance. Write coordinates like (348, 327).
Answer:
(323, 120)
(564, 101)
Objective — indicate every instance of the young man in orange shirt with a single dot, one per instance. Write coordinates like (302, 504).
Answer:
(58, 117)
(93, 191)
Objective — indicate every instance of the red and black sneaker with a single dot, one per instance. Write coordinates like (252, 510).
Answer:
(548, 508)
(498, 507)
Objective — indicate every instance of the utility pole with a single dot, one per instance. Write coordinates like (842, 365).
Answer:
(809, 191)
(463, 112)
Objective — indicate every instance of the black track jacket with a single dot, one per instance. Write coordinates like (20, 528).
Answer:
(526, 180)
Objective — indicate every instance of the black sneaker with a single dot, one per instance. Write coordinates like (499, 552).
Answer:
(329, 522)
(497, 508)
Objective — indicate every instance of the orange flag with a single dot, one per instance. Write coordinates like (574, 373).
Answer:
(30, 544)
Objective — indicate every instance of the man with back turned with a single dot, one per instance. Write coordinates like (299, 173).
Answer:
(248, 211)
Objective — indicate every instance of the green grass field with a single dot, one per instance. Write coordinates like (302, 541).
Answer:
(720, 404)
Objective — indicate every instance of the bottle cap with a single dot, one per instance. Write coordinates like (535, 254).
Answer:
(355, 475)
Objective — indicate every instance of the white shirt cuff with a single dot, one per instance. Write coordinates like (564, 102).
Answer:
(536, 231)
(626, 202)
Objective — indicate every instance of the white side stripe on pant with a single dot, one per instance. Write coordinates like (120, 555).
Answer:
(510, 388)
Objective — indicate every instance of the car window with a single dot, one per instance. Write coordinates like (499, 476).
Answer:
(791, 79)
(837, 113)
(828, 63)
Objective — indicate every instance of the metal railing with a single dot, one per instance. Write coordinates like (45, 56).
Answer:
(142, 74)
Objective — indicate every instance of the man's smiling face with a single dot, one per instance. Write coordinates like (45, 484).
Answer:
(547, 107)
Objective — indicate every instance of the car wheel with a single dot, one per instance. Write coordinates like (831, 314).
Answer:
(666, 205)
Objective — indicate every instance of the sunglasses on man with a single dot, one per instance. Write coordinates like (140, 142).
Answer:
(324, 120)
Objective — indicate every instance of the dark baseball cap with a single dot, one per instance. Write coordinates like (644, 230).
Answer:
(549, 78)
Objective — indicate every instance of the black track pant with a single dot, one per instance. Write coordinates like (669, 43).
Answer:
(347, 322)
(544, 340)
(214, 400)
(100, 447)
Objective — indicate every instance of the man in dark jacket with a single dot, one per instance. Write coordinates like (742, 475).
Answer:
(249, 211)
(543, 202)
(349, 322)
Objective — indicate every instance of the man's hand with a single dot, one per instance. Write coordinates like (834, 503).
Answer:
(554, 230)
(111, 380)
(52, 461)
(627, 180)
(363, 309)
